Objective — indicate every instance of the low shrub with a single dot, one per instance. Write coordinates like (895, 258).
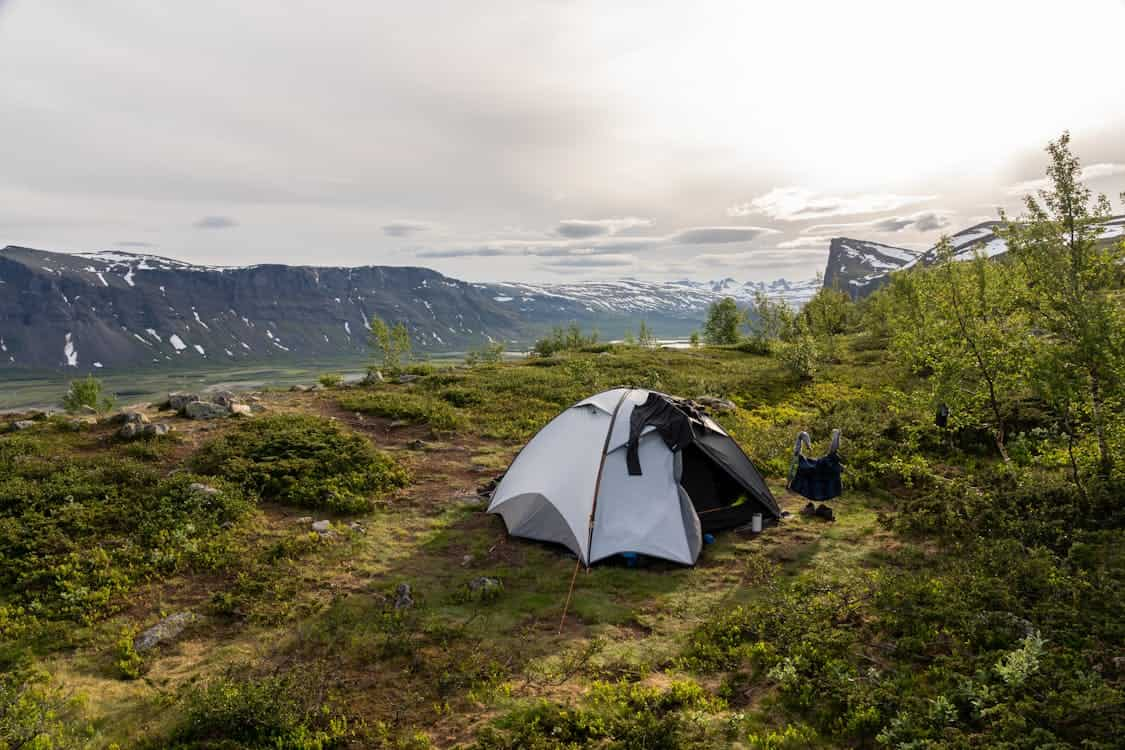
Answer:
(284, 712)
(405, 405)
(87, 393)
(304, 461)
(330, 379)
(614, 716)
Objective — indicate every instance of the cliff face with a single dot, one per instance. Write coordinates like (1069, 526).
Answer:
(116, 309)
(858, 267)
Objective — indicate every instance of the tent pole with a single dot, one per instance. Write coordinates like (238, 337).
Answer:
(601, 468)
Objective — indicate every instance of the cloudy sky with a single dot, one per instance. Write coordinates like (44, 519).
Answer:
(541, 139)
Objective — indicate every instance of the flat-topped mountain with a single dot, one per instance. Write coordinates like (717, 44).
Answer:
(859, 267)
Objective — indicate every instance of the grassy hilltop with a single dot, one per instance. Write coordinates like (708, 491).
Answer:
(956, 598)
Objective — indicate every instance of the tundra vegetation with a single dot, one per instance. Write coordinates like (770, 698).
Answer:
(971, 593)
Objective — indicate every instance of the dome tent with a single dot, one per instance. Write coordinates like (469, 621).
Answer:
(630, 470)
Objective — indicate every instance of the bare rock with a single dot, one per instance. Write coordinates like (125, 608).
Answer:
(715, 403)
(156, 430)
(241, 410)
(372, 377)
(21, 424)
(198, 488)
(304, 520)
(205, 410)
(322, 527)
(129, 431)
(164, 631)
(299, 389)
(403, 597)
(223, 398)
(418, 445)
(407, 378)
(179, 401)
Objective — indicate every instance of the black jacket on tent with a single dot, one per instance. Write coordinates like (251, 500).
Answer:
(725, 488)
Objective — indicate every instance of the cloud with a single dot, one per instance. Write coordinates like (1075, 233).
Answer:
(599, 245)
(583, 228)
(593, 261)
(801, 204)
(805, 243)
(1092, 172)
(134, 243)
(404, 228)
(719, 235)
(922, 221)
(216, 222)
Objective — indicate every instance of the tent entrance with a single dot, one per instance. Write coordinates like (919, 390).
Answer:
(715, 494)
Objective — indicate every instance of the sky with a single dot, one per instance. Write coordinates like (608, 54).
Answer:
(541, 140)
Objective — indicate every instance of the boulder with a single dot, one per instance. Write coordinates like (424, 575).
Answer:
(164, 631)
(372, 377)
(407, 378)
(129, 417)
(179, 401)
(403, 597)
(241, 410)
(715, 403)
(322, 527)
(198, 488)
(223, 398)
(299, 389)
(205, 410)
(129, 431)
(257, 408)
(156, 430)
(21, 424)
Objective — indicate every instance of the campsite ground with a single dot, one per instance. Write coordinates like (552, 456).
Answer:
(800, 636)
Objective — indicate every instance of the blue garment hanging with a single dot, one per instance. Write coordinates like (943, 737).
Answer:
(816, 478)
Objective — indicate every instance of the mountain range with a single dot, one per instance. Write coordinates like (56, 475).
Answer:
(112, 309)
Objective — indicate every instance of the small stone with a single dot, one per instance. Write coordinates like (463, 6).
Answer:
(129, 417)
(223, 398)
(129, 431)
(304, 520)
(407, 378)
(156, 430)
(1119, 663)
(166, 630)
(417, 445)
(465, 560)
(825, 512)
(178, 401)
(299, 389)
(485, 587)
(21, 424)
(241, 410)
(403, 598)
(205, 410)
(322, 527)
(316, 387)
(199, 488)
(357, 527)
